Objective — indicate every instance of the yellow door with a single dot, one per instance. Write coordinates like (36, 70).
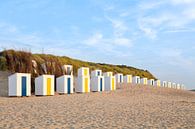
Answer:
(86, 85)
(158, 83)
(129, 79)
(85, 72)
(48, 86)
(112, 83)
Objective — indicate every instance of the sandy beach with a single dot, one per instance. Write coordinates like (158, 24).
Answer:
(128, 107)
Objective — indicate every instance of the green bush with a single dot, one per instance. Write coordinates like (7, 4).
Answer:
(3, 63)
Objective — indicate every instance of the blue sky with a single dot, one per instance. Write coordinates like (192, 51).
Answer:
(155, 35)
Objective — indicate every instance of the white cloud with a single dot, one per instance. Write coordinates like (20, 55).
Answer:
(177, 17)
(150, 5)
(175, 57)
(180, 30)
(111, 43)
(97, 39)
(8, 28)
(151, 33)
(146, 28)
(108, 7)
(124, 13)
(181, 1)
(123, 42)
(94, 39)
(12, 37)
(119, 26)
(189, 13)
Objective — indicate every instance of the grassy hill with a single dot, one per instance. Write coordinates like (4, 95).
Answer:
(21, 61)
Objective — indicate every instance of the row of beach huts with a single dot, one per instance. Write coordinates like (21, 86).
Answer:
(19, 84)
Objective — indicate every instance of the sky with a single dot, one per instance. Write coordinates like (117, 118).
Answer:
(157, 35)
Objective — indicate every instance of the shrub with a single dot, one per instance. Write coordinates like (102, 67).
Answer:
(3, 63)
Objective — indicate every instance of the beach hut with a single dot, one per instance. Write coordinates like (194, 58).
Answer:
(108, 74)
(83, 84)
(44, 85)
(164, 83)
(128, 79)
(169, 84)
(83, 80)
(174, 85)
(157, 83)
(136, 79)
(97, 81)
(96, 73)
(182, 87)
(119, 78)
(109, 81)
(65, 82)
(144, 81)
(19, 84)
(178, 86)
(151, 82)
(83, 71)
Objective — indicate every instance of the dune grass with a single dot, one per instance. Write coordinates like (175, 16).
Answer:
(21, 61)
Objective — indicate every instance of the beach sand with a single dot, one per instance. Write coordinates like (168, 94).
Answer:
(127, 107)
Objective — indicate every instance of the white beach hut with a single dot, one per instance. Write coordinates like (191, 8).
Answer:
(44, 85)
(136, 79)
(83, 80)
(65, 82)
(164, 83)
(96, 73)
(109, 81)
(83, 71)
(97, 81)
(169, 84)
(128, 79)
(151, 82)
(108, 74)
(174, 85)
(157, 83)
(119, 78)
(144, 81)
(19, 84)
(178, 86)
(182, 87)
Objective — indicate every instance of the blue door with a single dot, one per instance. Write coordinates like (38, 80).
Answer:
(98, 73)
(100, 84)
(69, 81)
(23, 86)
(120, 78)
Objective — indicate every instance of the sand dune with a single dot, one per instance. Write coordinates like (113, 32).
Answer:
(128, 107)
